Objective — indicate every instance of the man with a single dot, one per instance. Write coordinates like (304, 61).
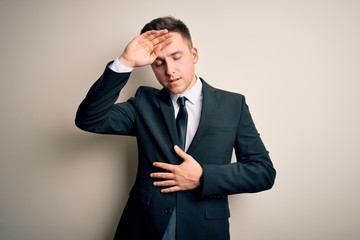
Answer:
(184, 150)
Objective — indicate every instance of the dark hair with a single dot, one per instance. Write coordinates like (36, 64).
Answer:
(170, 23)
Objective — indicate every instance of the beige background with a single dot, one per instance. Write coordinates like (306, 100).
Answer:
(297, 62)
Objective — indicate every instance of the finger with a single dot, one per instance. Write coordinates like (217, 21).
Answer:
(180, 152)
(165, 166)
(171, 189)
(167, 183)
(161, 45)
(152, 34)
(162, 175)
(162, 39)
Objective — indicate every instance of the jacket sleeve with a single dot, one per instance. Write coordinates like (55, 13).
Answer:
(98, 112)
(253, 170)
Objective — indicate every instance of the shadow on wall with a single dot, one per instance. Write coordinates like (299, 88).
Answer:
(95, 174)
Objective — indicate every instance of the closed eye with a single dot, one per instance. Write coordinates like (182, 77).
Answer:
(177, 56)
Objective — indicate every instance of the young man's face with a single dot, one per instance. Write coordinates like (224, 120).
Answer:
(174, 68)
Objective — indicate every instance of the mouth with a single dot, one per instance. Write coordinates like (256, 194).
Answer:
(173, 80)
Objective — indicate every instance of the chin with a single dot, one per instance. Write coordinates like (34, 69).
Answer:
(174, 90)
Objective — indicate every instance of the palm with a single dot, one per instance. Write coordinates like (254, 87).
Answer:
(143, 49)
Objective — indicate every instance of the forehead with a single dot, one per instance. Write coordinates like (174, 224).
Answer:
(177, 37)
(178, 44)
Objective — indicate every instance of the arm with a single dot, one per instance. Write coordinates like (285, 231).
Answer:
(253, 170)
(97, 112)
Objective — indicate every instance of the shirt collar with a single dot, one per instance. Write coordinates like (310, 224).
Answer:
(193, 94)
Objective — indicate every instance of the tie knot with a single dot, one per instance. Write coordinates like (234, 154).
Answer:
(181, 101)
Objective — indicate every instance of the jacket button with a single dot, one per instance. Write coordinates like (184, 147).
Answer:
(168, 210)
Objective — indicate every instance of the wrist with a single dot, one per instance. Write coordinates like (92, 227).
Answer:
(201, 179)
(124, 61)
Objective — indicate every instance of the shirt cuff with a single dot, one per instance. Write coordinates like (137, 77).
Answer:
(118, 67)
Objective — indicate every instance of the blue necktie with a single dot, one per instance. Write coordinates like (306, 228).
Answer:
(181, 122)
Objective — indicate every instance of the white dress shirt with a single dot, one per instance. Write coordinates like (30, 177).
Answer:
(193, 103)
(193, 107)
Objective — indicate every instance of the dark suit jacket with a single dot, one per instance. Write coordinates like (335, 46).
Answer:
(225, 124)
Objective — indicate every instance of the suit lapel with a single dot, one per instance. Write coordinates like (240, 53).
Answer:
(168, 113)
(210, 102)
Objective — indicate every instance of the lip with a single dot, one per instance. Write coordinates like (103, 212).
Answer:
(174, 81)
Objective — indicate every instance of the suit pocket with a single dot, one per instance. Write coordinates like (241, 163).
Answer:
(140, 195)
(217, 213)
(220, 129)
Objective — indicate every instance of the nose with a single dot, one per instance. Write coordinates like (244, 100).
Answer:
(170, 68)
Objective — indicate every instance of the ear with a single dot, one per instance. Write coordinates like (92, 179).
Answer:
(195, 55)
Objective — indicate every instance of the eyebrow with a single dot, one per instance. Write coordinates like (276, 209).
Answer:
(171, 55)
